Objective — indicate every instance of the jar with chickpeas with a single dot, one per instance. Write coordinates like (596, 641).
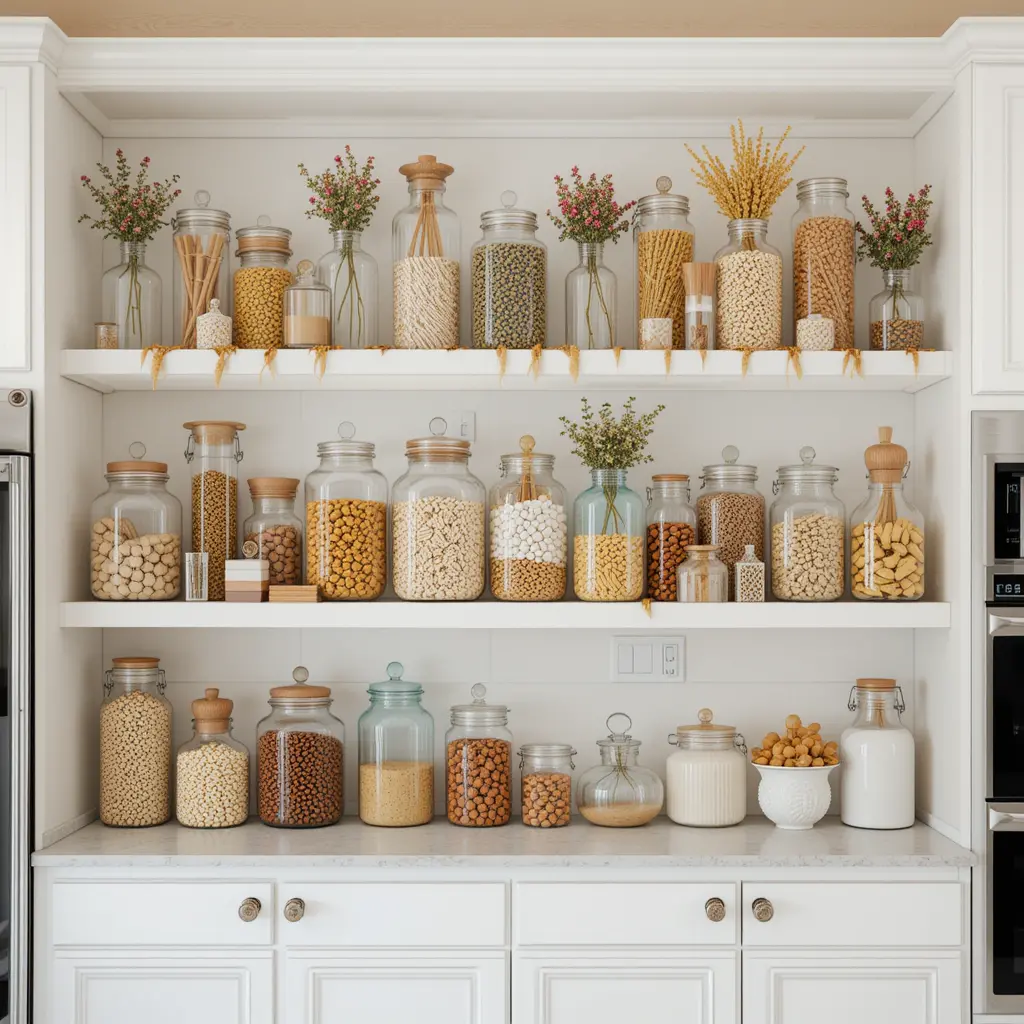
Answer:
(260, 283)
(346, 521)
(671, 529)
(478, 763)
(274, 527)
(546, 776)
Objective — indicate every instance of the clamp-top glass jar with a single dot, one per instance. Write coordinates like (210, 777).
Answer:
(135, 538)
(618, 792)
(135, 745)
(749, 313)
(671, 529)
(260, 283)
(478, 758)
(202, 244)
(396, 754)
(425, 249)
(608, 546)
(307, 311)
(546, 773)
(808, 524)
(437, 522)
(274, 527)
(299, 746)
(214, 448)
(706, 777)
(350, 273)
(528, 528)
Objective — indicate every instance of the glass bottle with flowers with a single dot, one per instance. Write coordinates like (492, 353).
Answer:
(894, 242)
(132, 206)
(590, 217)
(344, 196)
(608, 548)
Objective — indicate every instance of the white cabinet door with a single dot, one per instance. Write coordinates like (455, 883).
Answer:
(854, 987)
(14, 217)
(997, 204)
(121, 987)
(321, 988)
(698, 988)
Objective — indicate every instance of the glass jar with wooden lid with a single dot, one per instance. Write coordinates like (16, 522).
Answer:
(260, 282)
(706, 776)
(274, 528)
(671, 529)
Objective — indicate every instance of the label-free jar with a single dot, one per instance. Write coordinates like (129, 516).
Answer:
(706, 777)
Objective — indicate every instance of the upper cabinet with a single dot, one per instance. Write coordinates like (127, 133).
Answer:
(14, 218)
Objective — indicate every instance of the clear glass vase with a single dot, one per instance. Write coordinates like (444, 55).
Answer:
(351, 274)
(896, 314)
(608, 547)
(590, 300)
(132, 297)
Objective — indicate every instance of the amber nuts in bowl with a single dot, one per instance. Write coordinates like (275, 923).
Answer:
(799, 746)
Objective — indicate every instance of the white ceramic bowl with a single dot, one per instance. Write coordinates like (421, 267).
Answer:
(794, 798)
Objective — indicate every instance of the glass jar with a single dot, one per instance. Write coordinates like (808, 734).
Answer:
(749, 314)
(618, 792)
(135, 745)
(529, 528)
(702, 576)
(700, 305)
(396, 754)
(135, 538)
(133, 297)
(350, 274)
(608, 546)
(730, 511)
(300, 746)
(425, 249)
(877, 753)
(307, 310)
(509, 271)
(437, 523)
(478, 756)
(202, 243)
(824, 256)
(213, 329)
(274, 527)
(896, 314)
(886, 532)
(671, 529)
(706, 777)
(590, 300)
(347, 564)
(260, 283)
(546, 773)
(212, 768)
(213, 450)
(662, 244)
(808, 524)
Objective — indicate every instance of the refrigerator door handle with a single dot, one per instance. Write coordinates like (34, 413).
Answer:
(1006, 817)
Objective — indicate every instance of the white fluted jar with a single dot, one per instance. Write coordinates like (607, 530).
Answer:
(706, 777)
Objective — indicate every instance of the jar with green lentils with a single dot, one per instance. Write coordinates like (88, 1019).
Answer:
(509, 271)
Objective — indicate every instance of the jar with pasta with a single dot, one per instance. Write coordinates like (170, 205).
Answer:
(202, 273)
(273, 529)
(346, 521)
(478, 763)
(749, 309)
(425, 249)
(260, 284)
(608, 542)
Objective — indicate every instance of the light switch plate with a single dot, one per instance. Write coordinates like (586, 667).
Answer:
(648, 659)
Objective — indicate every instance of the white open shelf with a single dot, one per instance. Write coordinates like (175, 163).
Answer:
(500, 615)
(467, 369)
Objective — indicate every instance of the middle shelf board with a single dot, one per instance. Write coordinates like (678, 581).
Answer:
(487, 614)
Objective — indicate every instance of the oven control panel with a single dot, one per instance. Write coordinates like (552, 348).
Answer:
(1006, 525)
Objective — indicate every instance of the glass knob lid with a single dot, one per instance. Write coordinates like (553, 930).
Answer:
(300, 674)
(395, 670)
(438, 427)
(807, 454)
(730, 454)
(305, 270)
(508, 199)
(202, 198)
(663, 184)
(137, 450)
(478, 693)
(347, 431)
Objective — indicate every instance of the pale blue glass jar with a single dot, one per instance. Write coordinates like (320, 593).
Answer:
(608, 546)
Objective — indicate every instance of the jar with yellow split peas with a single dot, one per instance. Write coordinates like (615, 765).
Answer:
(260, 283)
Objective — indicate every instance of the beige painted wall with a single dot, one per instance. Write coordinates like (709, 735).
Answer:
(507, 17)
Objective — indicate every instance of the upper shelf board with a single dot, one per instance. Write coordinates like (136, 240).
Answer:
(474, 370)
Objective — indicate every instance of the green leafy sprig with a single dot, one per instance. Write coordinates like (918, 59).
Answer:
(602, 442)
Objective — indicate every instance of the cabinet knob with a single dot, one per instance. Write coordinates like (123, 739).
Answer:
(294, 909)
(249, 909)
(763, 909)
(715, 909)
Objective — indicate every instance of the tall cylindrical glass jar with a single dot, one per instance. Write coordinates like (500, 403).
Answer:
(425, 250)
(307, 310)
(749, 314)
(346, 521)
(896, 314)
(528, 528)
(437, 523)
(546, 773)
(351, 274)
(260, 283)
(214, 451)
(671, 529)
(509, 270)
(133, 299)
(662, 243)
(590, 289)
(274, 527)
(135, 745)
(478, 779)
(706, 777)
(808, 524)
(202, 246)
(608, 546)
(396, 754)
(824, 255)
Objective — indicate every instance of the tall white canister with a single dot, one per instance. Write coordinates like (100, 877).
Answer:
(706, 777)
(877, 759)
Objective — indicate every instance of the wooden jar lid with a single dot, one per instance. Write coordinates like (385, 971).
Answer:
(213, 711)
(427, 171)
(214, 431)
(135, 662)
(299, 689)
(273, 486)
(136, 466)
(885, 461)
(876, 684)
(671, 477)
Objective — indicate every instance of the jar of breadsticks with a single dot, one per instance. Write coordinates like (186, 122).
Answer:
(202, 238)
(886, 532)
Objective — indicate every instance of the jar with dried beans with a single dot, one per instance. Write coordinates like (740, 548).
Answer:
(478, 763)
(274, 527)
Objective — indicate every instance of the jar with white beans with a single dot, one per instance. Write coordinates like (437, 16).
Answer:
(529, 528)
(749, 311)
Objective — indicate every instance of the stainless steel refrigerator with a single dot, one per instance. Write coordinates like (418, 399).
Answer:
(15, 701)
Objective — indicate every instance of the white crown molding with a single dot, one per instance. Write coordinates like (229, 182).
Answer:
(984, 40)
(30, 41)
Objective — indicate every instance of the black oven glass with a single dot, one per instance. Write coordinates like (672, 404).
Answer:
(1007, 909)
(1006, 510)
(1007, 718)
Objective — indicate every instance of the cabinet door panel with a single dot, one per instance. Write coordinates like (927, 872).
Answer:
(15, 295)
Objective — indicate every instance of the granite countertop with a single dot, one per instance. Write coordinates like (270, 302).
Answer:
(755, 843)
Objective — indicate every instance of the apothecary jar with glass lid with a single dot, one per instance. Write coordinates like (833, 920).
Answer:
(478, 763)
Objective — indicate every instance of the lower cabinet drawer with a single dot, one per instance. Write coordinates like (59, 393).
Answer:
(658, 914)
(160, 914)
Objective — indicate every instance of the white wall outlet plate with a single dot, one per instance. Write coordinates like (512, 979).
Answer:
(648, 659)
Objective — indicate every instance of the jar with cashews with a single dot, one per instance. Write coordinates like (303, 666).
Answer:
(260, 283)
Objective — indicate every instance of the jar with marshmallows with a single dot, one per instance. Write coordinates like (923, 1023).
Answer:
(706, 777)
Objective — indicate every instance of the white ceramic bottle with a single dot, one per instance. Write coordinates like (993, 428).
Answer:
(876, 755)
(706, 778)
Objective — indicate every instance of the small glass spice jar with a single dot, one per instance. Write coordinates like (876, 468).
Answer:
(307, 310)
(478, 779)
(700, 306)
(202, 245)
(703, 577)
(213, 329)
(671, 529)
(748, 578)
(546, 772)
(275, 528)
(706, 777)
(260, 283)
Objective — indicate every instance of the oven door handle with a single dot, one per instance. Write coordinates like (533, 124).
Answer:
(1006, 623)
(1006, 817)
